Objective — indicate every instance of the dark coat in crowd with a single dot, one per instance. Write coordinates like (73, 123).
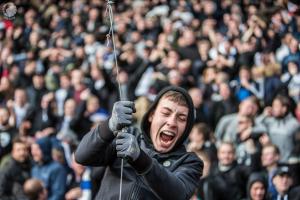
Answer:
(12, 177)
(228, 183)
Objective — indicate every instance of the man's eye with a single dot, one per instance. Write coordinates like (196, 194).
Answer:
(165, 113)
(182, 118)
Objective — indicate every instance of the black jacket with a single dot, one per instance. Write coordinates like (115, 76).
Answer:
(12, 177)
(173, 175)
(231, 182)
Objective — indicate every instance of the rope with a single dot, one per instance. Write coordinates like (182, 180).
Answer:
(111, 32)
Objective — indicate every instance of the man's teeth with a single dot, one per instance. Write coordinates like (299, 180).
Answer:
(169, 133)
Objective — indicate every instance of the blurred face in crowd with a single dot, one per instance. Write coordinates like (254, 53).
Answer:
(20, 152)
(175, 77)
(293, 68)
(168, 122)
(70, 107)
(282, 183)
(92, 104)
(77, 77)
(197, 97)
(257, 191)
(196, 136)
(244, 74)
(278, 110)
(36, 153)
(20, 97)
(4, 116)
(269, 156)
(224, 91)
(38, 81)
(4, 84)
(64, 82)
(244, 123)
(226, 154)
(248, 107)
(294, 45)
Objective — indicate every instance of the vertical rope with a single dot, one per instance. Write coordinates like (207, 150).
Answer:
(111, 31)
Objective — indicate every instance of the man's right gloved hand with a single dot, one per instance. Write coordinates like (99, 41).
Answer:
(121, 115)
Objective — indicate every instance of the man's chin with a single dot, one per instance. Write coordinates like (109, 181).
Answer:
(164, 149)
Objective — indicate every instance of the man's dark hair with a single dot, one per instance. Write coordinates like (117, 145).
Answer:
(204, 129)
(17, 139)
(176, 97)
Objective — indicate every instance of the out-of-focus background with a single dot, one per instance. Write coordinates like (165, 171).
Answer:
(239, 60)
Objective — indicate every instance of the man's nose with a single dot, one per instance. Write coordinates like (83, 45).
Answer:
(172, 120)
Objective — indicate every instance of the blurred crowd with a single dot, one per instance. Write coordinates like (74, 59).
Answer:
(239, 60)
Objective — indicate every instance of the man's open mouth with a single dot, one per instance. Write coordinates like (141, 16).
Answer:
(167, 137)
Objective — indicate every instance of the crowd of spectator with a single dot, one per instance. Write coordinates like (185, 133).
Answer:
(239, 60)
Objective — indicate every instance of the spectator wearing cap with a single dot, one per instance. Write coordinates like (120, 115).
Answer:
(283, 184)
(257, 187)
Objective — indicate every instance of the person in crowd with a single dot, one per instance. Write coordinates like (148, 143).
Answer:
(227, 126)
(51, 173)
(35, 190)
(7, 131)
(283, 183)
(247, 142)
(201, 139)
(227, 177)
(80, 187)
(280, 124)
(257, 187)
(20, 105)
(158, 154)
(15, 171)
(270, 156)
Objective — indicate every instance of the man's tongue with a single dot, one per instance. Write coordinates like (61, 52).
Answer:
(166, 138)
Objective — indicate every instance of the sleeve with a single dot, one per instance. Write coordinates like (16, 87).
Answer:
(183, 181)
(58, 184)
(96, 148)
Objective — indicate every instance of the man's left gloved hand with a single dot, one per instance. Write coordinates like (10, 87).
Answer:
(127, 145)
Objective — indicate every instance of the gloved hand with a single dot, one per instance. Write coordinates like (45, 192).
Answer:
(127, 146)
(121, 116)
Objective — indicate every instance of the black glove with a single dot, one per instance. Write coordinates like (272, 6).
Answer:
(127, 145)
(121, 116)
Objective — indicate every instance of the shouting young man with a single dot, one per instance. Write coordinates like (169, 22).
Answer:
(156, 164)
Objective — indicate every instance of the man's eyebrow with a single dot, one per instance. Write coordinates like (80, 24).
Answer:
(172, 110)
